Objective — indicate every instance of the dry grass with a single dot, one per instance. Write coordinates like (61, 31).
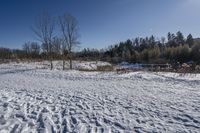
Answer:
(105, 68)
(99, 68)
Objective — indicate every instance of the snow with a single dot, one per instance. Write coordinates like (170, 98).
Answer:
(127, 65)
(35, 99)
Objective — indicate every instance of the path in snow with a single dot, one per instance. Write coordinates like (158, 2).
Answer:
(55, 101)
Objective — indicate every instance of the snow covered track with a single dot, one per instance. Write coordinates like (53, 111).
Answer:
(40, 100)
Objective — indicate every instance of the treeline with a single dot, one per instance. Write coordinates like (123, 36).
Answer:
(36, 51)
(176, 48)
(172, 49)
(6, 53)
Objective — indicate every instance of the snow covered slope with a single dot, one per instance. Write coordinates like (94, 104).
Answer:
(40, 100)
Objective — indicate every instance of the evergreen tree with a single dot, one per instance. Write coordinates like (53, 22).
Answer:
(169, 36)
(136, 42)
(190, 40)
(152, 41)
(179, 38)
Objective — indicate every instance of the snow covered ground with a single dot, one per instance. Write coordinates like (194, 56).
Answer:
(35, 99)
(57, 65)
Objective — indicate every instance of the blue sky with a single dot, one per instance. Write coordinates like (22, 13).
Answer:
(101, 22)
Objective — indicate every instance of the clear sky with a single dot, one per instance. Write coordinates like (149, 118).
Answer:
(101, 22)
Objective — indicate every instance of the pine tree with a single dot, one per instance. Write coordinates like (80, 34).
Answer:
(179, 38)
(190, 40)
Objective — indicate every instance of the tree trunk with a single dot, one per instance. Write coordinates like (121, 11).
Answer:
(51, 60)
(63, 63)
(70, 62)
(51, 65)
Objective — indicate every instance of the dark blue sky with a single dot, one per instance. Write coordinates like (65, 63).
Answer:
(101, 22)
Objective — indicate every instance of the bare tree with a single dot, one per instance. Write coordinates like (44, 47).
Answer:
(31, 49)
(35, 49)
(69, 29)
(63, 51)
(26, 48)
(44, 29)
(56, 45)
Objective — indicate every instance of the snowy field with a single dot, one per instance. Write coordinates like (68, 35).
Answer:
(35, 99)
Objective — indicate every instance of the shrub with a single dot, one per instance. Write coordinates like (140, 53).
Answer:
(105, 68)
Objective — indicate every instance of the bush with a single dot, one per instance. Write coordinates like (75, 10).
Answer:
(105, 68)
(154, 53)
(195, 53)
